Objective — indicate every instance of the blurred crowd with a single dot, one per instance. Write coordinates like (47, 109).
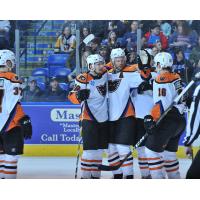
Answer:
(180, 38)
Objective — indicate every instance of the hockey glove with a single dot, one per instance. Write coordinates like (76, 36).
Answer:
(149, 124)
(83, 95)
(26, 126)
(144, 86)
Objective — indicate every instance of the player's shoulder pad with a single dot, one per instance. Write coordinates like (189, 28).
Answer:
(10, 76)
(167, 77)
(84, 78)
(131, 68)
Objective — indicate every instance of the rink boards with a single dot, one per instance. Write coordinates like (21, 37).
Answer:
(56, 129)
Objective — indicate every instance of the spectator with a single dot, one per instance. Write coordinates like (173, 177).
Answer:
(111, 42)
(66, 42)
(32, 92)
(154, 51)
(183, 38)
(54, 92)
(150, 38)
(84, 32)
(132, 58)
(4, 34)
(182, 66)
(131, 37)
(105, 53)
(195, 54)
(165, 27)
(119, 26)
(158, 45)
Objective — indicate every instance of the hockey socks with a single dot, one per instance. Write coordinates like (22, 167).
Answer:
(171, 165)
(143, 163)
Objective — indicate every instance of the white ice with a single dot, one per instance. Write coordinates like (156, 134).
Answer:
(64, 168)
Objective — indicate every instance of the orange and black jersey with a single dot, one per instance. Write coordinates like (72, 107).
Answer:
(10, 94)
(95, 107)
(166, 87)
(120, 86)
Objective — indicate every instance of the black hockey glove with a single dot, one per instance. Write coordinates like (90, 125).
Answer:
(144, 86)
(26, 126)
(83, 95)
(149, 124)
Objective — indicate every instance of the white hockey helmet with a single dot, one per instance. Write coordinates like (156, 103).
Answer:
(115, 53)
(7, 59)
(164, 59)
(92, 59)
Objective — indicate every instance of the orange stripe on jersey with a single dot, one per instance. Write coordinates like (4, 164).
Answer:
(6, 172)
(114, 164)
(144, 167)
(19, 113)
(167, 77)
(156, 112)
(131, 68)
(85, 115)
(84, 78)
(95, 170)
(130, 111)
(73, 98)
(10, 162)
(172, 170)
(109, 65)
(126, 165)
(143, 159)
(155, 168)
(169, 161)
(10, 76)
(85, 160)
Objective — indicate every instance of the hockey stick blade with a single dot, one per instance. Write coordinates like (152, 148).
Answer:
(116, 167)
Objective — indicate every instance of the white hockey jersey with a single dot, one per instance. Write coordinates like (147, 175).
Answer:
(10, 94)
(95, 108)
(120, 86)
(143, 103)
(166, 88)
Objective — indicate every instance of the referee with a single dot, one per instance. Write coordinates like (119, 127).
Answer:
(192, 133)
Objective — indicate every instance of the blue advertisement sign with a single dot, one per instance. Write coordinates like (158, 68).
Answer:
(56, 123)
(53, 123)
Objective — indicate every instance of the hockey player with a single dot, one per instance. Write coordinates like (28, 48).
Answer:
(90, 91)
(192, 133)
(142, 98)
(162, 142)
(122, 79)
(14, 124)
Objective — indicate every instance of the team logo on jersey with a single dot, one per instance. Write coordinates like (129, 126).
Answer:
(113, 85)
(102, 89)
(1, 82)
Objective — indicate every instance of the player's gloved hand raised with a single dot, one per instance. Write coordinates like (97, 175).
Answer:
(149, 124)
(26, 126)
(144, 86)
(83, 95)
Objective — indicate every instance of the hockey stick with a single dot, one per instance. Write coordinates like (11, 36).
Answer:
(79, 142)
(176, 100)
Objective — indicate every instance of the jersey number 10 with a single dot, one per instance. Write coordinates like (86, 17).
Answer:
(161, 92)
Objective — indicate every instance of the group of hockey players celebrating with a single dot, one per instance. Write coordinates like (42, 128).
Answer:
(120, 104)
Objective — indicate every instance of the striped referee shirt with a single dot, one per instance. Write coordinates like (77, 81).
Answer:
(193, 125)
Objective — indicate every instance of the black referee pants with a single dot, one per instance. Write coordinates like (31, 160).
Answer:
(194, 170)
